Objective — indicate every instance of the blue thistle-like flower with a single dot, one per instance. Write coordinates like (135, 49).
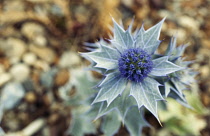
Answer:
(131, 58)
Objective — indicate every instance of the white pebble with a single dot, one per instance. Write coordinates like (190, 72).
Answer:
(29, 58)
(40, 40)
(188, 22)
(69, 59)
(20, 72)
(4, 78)
(15, 47)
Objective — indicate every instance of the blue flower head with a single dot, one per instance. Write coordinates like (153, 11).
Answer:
(130, 58)
(135, 64)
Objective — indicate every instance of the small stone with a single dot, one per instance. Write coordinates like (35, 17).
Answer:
(20, 72)
(62, 77)
(14, 6)
(206, 100)
(204, 71)
(5, 62)
(43, 65)
(128, 3)
(44, 53)
(47, 78)
(53, 118)
(31, 30)
(29, 58)
(48, 99)
(40, 40)
(30, 97)
(11, 95)
(69, 59)
(4, 78)
(14, 60)
(188, 22)
(15, 47)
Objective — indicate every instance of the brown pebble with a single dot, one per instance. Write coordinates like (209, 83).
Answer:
(30, 97)
(62, 77)
(5, 62)
(48, 99)
(55, 107)
(53, 118)
(206, 100)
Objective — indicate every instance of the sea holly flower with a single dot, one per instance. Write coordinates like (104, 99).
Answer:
(130, 59)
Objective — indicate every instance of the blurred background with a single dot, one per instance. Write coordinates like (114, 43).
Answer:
(39, 45)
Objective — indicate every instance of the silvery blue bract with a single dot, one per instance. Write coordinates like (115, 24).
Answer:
(133, 73)
(179, 80)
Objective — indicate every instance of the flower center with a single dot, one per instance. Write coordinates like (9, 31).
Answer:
(135, 64)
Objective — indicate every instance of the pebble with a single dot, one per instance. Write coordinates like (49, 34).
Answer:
(14, 60)
(11, 95)
(44, 53)
(204, 71)
(48, 99)
(20, 72)
(205, 99)
(31, 30)
(15, 47)
(47, 78)
(62, 77)
(43, 65)
(5, 63)
(29, 58)
(14, 6)
(53, 118)
(128, 3)
(40, 40)
(188, 22)
(30, 97)
(69, 59)
(4, 78)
